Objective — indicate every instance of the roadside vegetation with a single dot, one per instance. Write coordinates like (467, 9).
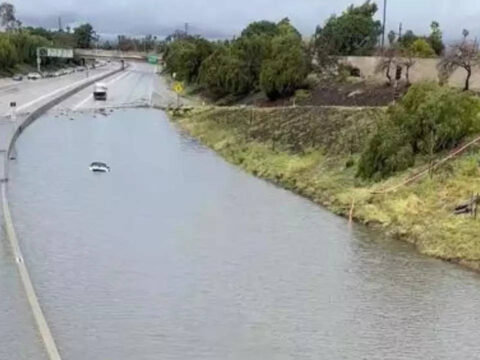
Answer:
(18, 44)
(428, 120)
(267, 56)
(272, 59)
(380, 165)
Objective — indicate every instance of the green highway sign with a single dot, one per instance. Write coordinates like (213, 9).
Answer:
(153, 59)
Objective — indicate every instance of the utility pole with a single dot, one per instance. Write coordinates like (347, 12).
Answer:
(384, 22)
(60, 24)
(400, 28)
(186, 28)
(39, 60)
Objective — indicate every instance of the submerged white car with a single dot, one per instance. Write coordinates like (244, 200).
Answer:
(99, 167)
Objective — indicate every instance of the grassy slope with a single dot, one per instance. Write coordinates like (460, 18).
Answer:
(311, 151)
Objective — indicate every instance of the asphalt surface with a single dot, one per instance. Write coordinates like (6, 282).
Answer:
(20, 339)
(138, 86)
(28, 94)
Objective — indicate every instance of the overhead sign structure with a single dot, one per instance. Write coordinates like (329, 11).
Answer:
(54, 53)
(60, 53)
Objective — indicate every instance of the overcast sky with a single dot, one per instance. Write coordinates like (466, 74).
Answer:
(225, 18)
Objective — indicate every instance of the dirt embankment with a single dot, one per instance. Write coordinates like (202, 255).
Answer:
(314, 151)
(353, 93)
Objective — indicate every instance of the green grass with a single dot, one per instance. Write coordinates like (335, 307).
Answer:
(314, 151)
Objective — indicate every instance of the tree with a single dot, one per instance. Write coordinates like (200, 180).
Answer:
(435, 38)
(286, 28)
(355, 32)
(389, 60)
(408, 39)
(26, 45)
(184, 57)
(7, 16)
(286, 67)
(8, 54)
(421, 48)
(408, 61)
(251, 51)
(63, 39)
(463, 54)
(224, 73)
(392, 36)
(263, 27)
(176, 35)
(85, 36)
(39, 31)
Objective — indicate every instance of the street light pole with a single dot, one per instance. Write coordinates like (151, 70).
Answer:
(384, 22)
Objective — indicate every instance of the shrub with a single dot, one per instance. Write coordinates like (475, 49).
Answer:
(421, 48)
(8, 54)
(184, 57)
(223, 73)
(386, 153)
(286, 68)
(429, 119)
(26, 45)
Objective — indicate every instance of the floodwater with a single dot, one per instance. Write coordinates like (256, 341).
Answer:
(176, 254)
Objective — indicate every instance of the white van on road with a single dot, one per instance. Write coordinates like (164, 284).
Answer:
(100, 91)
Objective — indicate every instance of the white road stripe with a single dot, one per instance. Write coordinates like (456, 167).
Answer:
(84, 101)
(152, 83)
(33, 102)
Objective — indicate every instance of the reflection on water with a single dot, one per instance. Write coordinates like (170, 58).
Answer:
(177, 255)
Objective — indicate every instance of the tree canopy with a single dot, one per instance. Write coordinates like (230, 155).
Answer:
(355, 32)
(435, 38)
(8, 20)
(262, 27)
(421, 48)
(243, 65)
(84, 36)
(286, 67)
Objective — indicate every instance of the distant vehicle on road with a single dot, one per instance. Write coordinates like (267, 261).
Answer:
(99, 167)
(57, 73)
(34, 76)
(17, 77)
(79, 69)
(48, 74)
(100, 91)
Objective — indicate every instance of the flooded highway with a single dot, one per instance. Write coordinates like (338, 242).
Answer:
(176, 254)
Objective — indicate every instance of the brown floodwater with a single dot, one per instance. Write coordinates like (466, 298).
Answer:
(175, 254)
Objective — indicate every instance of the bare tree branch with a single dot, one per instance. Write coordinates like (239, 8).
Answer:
(463, 54)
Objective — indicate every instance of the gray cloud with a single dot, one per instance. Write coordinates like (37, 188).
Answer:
(225, 18)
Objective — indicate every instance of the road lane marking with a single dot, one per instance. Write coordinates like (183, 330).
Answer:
(84, 101)
(33, 102)
(39, 316)
(152, 83)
